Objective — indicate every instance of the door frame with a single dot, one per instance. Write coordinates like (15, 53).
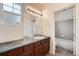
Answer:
(74, 25)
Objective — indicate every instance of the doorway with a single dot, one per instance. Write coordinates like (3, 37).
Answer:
(65, 30)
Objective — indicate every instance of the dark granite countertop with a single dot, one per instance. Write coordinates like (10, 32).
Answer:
(4, 47)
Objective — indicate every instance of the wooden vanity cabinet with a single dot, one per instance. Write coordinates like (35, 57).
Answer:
(38, 48)
(22, 51)
(28, 50)
(15, 52)
(28, 53)
(3, 54)
(42, 47)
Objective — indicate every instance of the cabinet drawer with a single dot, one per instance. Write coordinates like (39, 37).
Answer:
(42, 42)
(37, 44)
(46, 41)
(15, 52)
(28, 47)
(28, 53)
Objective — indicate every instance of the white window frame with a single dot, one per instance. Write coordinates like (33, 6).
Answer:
(13, 10)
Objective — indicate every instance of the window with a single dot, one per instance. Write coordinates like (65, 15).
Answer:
(9, 4)
(10, 7)
(17, 9)
(7, 8)
(16, 6)
(12, 13)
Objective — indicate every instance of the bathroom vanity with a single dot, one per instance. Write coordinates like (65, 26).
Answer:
(26, 47)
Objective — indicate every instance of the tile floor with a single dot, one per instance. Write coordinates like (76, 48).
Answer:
(62, 52)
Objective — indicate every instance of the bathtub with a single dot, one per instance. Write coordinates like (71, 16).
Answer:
(67, 44)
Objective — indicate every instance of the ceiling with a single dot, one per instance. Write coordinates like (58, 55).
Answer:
(43, 6)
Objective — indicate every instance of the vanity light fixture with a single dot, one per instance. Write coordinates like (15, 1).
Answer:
(33, 11)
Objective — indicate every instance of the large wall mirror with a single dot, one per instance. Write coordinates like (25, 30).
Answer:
(10, 22)
(11, 13)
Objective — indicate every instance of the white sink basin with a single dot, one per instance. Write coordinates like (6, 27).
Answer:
(39, 37)
(34, 37)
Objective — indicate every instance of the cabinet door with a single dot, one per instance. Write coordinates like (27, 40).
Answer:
(46, 46)
(37, 51)
(15, 52)
(41, 50)
(28, 53)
